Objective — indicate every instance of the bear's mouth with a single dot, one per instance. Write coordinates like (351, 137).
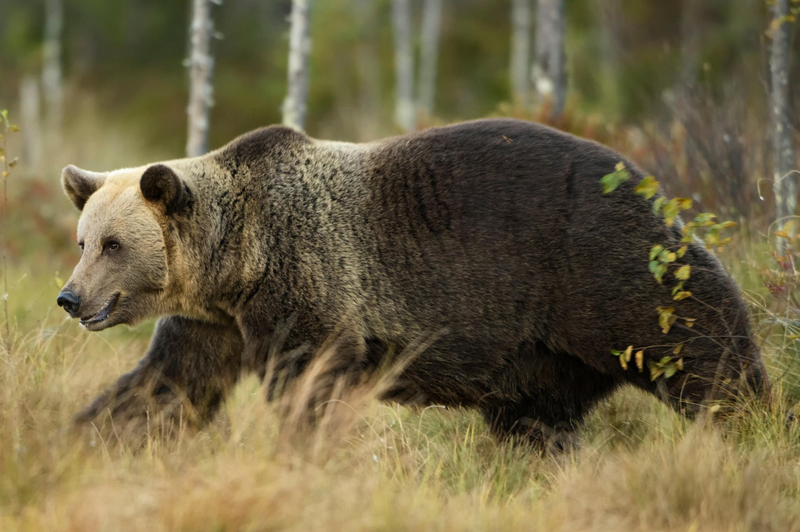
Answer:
(102, 314)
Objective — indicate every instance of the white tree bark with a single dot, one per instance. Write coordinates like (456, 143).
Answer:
(431, 30)
(549, 68)
(784, 183)
(295, 105)
(30, 114)
(520, 51)
(405, 112)
(51, 69)
(201, 71)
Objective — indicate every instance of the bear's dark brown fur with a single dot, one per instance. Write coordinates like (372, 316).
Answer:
(492, 236)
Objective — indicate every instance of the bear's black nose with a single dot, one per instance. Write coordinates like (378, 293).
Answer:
(69, 302)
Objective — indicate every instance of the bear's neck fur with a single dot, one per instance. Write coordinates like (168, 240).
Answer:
(270, 211)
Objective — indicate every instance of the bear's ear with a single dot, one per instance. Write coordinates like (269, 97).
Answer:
(160, 184)
(79, 184)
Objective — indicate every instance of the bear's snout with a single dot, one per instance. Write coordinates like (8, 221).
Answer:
(69, 302)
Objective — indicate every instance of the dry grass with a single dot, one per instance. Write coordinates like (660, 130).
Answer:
(368, 466)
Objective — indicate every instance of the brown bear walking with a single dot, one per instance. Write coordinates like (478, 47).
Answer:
(492, 237)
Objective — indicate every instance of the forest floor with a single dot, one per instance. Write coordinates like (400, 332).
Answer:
(373, 466)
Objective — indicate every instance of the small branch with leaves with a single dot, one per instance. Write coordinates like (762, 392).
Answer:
(702, 229)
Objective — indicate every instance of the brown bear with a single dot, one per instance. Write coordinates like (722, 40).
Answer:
(490, 240)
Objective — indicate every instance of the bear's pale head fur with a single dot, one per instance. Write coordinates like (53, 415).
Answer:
(129, 266)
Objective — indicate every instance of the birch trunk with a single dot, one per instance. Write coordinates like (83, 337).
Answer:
(431, 30)
(201, 71)
(549, 68)
(51, 70)
(520, 51)
(783, 182)
(30, 113)
(295, 105)
(405, 112)
(369, 67)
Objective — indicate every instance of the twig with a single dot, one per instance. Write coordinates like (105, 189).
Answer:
(9, 128)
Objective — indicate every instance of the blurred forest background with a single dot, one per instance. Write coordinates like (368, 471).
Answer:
(680, 86)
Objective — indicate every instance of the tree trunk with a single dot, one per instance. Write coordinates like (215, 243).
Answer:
(51, 70)
(431, 29)
(691, 33)
(405, 112)
(783, 182)
(520, 51)
(30, 114)
(611, 20)
(201, 71)
(549, 68)
(295, 105)
(369, 68)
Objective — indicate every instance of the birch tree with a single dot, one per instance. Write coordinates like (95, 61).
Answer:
(295, 104)
(520, 51)
(783, 183)
(431, 30)
(51, 69)
(549, 68)
(405, 112)
(30, 114)
(201, 71)
(369, 66)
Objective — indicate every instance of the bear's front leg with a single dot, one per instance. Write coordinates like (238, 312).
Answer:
(190, 364)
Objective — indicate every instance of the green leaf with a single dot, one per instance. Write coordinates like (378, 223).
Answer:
(683, 294)
(704, 217)
(655, 250)
(673, 207)
(647, 187)
(613, 180)
(658, 269)
(683, 272)
(682, 251)
(657, 204)
(678, 288)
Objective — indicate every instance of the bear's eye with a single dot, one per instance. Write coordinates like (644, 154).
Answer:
(80, 245)
(111, 245)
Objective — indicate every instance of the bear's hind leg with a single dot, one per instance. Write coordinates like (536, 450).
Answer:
(561, 391)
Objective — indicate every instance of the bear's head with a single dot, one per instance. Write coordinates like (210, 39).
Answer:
(124, 233)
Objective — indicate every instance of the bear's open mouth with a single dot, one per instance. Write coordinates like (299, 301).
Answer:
(103, 313)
